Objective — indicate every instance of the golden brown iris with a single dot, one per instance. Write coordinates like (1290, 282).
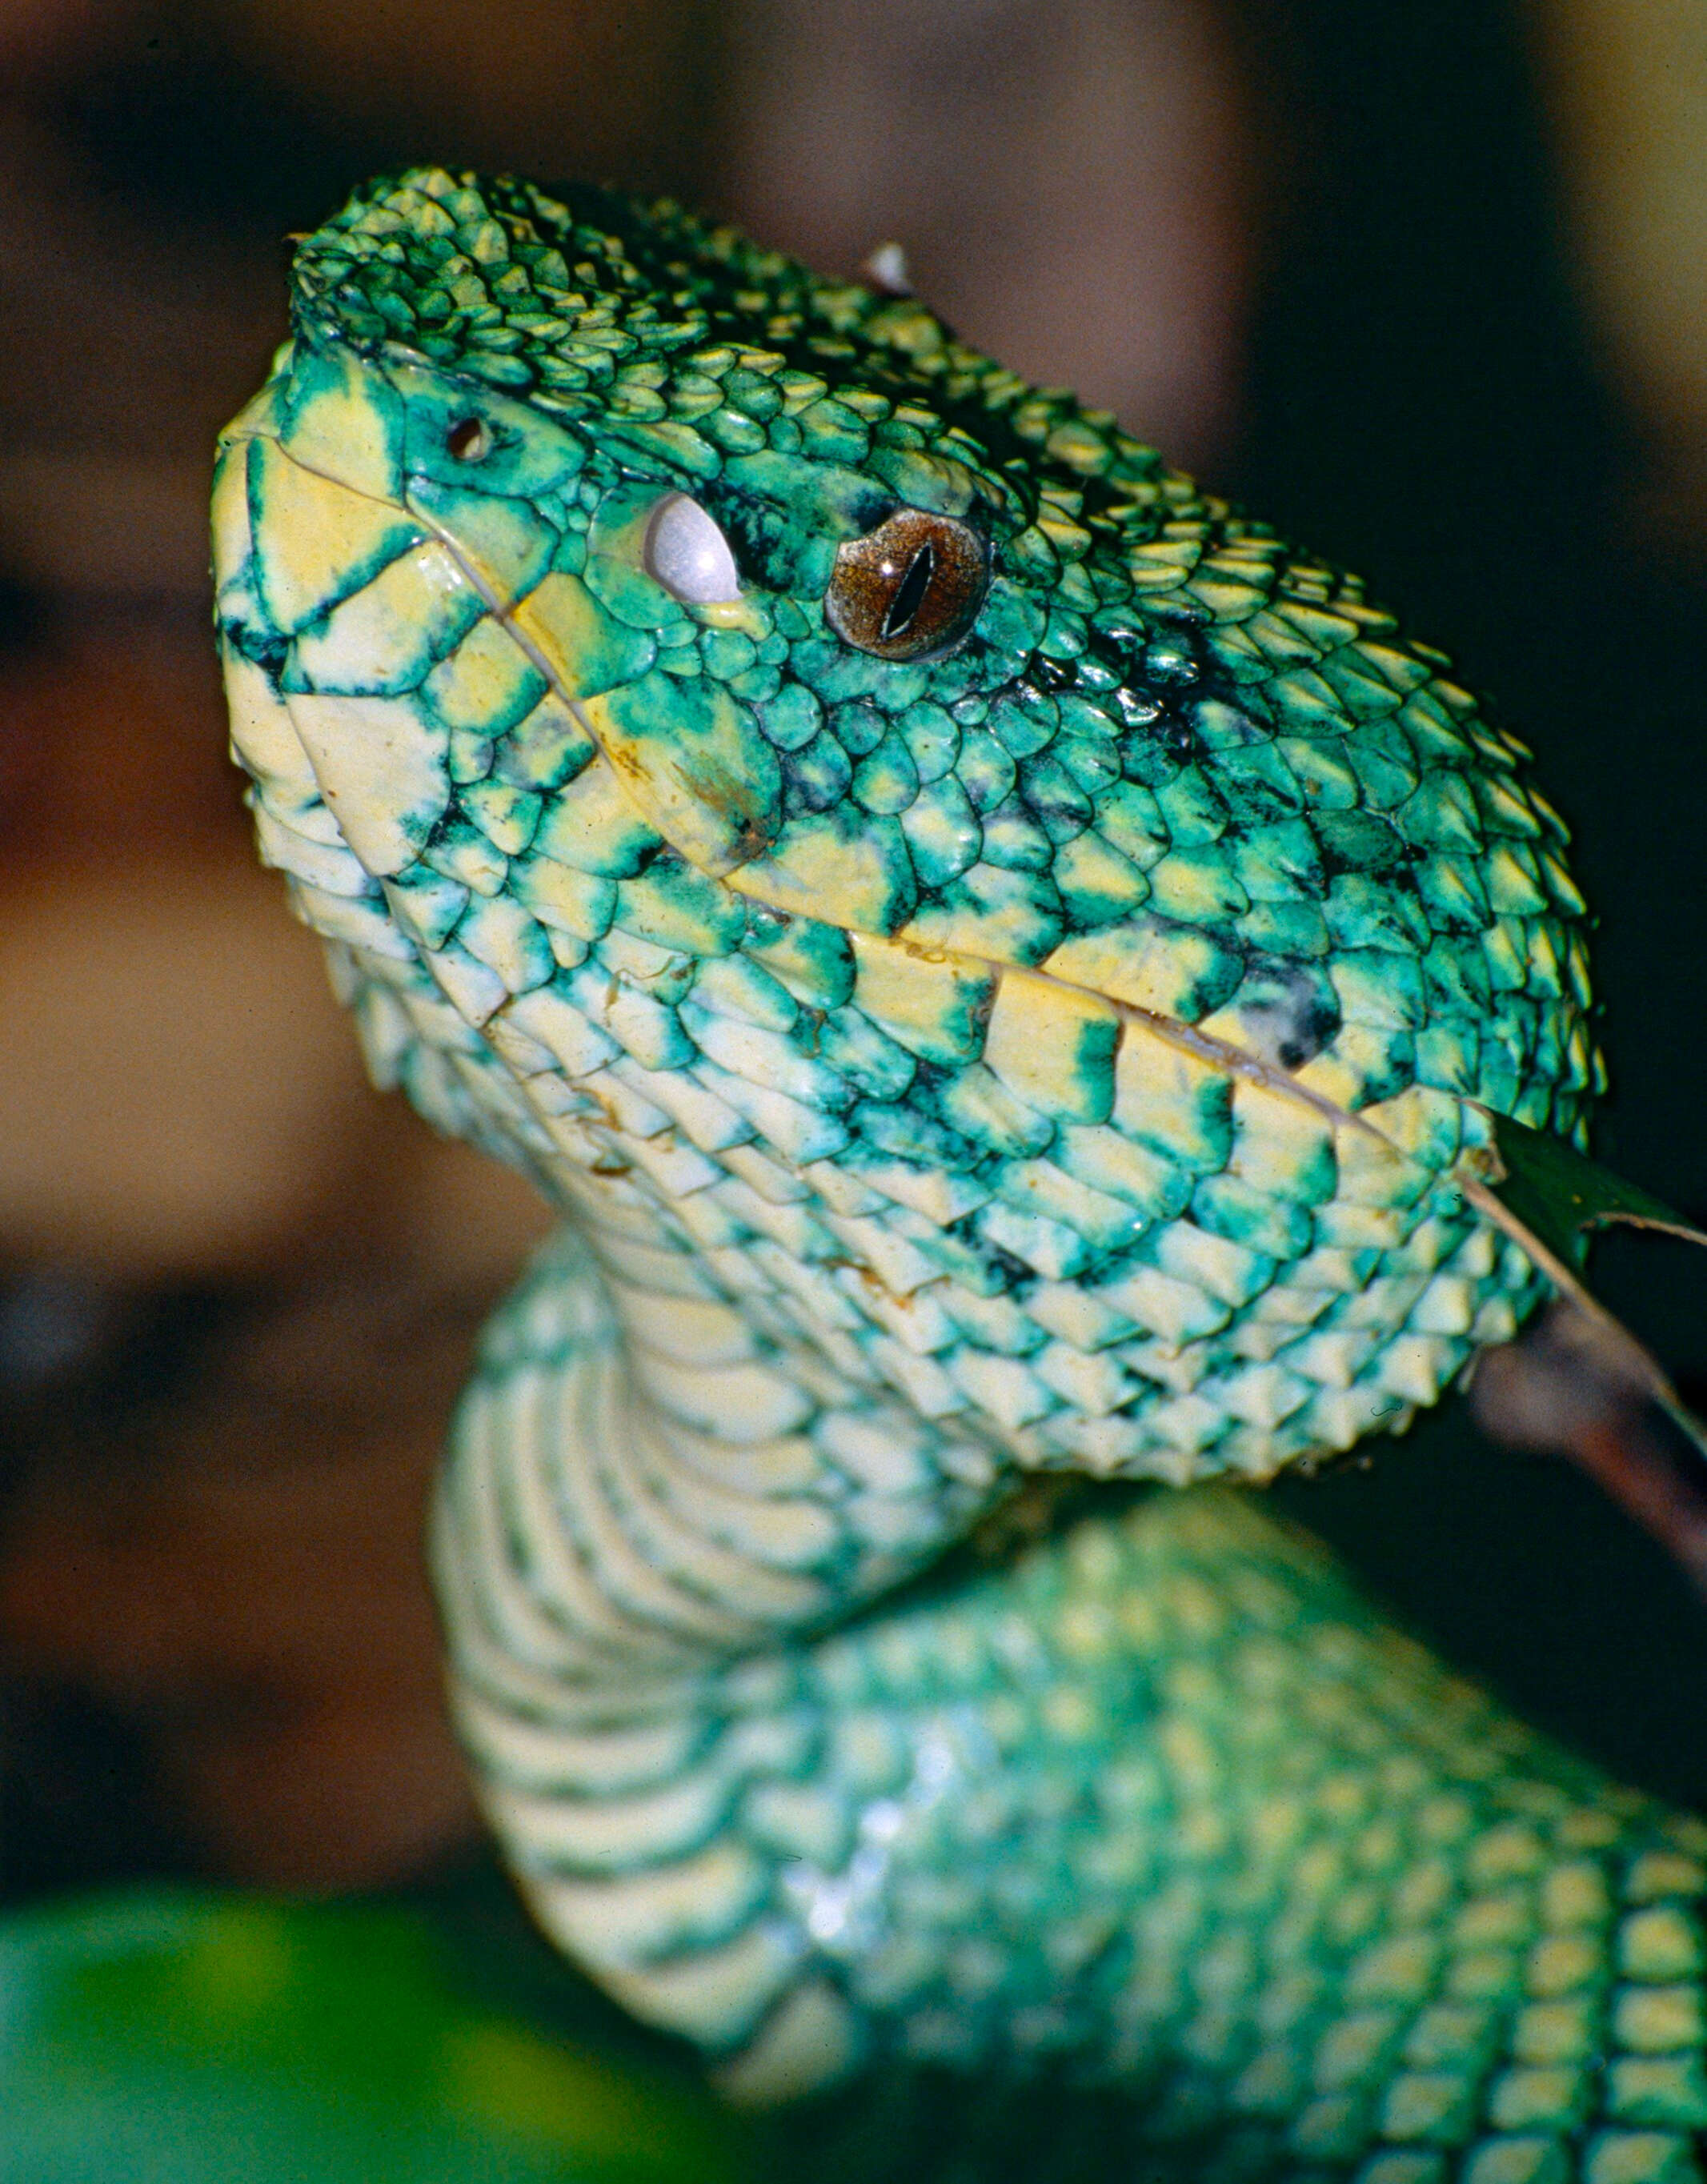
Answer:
(911, 587)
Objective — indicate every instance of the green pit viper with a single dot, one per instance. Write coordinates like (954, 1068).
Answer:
(1002, 964)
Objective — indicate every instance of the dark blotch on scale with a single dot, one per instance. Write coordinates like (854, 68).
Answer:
(1289, 1013)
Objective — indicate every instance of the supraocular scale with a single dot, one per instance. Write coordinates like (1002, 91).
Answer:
(1007, 990)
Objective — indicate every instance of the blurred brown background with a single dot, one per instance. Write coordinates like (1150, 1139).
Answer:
(1424, 282)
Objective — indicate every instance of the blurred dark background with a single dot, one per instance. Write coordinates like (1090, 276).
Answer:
(1422, 283)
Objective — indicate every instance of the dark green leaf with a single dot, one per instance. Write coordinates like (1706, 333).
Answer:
(1563, 1196)
(1550, 1199)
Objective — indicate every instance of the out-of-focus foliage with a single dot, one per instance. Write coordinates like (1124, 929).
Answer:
(167, 2039)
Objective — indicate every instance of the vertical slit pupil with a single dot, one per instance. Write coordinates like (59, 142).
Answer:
(909, 596)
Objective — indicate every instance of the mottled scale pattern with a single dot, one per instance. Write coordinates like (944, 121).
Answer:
(1060, 1054)
(1161, 1800)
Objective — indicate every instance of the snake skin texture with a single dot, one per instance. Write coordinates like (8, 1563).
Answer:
(1022, 1001)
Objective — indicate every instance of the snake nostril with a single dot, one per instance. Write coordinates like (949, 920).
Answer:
(469, 440)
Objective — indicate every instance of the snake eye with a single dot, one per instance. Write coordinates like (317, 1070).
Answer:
(469, 440)
(910, 589)
(689, 555)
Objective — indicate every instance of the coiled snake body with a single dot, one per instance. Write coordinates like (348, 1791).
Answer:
(1002, 964)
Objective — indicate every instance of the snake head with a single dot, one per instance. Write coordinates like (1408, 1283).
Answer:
(580, 555)
(522, 453)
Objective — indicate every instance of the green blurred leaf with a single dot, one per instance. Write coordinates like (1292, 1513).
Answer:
(170, 2039)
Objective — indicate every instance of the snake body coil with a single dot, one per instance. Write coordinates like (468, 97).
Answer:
(1002, 963)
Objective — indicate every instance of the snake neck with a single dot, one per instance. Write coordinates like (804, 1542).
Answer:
(656, 1485)
(1162, 1797)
